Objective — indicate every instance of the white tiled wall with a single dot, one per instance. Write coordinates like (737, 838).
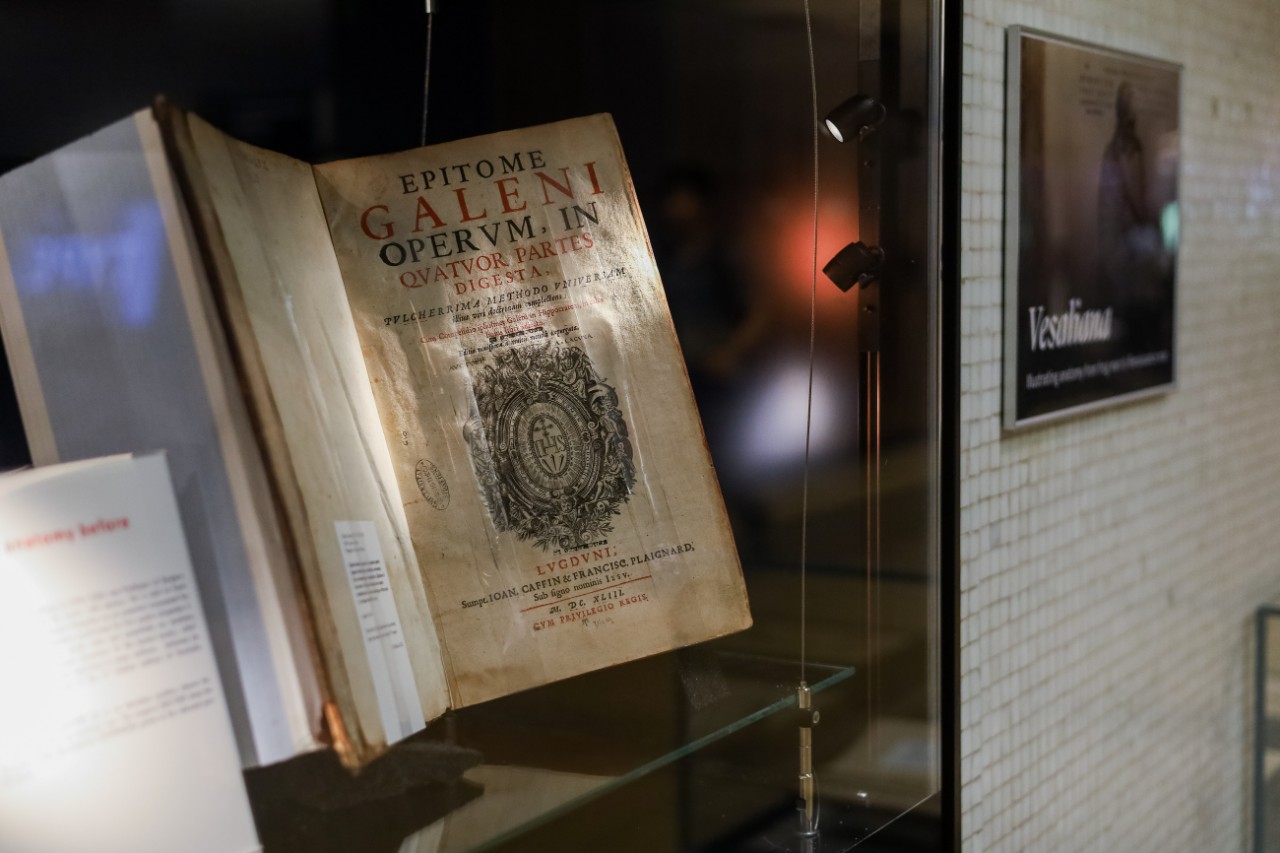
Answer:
(1111, 563)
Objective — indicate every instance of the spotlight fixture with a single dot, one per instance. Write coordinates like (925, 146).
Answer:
(855, 117)
(856, 263)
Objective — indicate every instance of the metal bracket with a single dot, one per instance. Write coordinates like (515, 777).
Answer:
(807, 805)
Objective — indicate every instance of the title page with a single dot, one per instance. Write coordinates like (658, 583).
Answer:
(558, 490)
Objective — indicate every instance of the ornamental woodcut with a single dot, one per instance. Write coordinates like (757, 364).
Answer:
(549, 446)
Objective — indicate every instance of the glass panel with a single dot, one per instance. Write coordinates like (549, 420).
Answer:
(698, 749)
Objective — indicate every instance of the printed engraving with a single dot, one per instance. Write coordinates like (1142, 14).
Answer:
(549, 446)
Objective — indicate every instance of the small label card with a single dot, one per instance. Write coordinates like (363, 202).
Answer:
(393, 681)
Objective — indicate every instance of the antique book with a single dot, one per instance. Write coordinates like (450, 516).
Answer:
(114, 734)
(432, 433)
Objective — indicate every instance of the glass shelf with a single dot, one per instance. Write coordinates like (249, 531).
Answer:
(484, 776)
(830, 676)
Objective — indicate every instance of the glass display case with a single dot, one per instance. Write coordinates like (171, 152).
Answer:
(698, 749)
(820, 405)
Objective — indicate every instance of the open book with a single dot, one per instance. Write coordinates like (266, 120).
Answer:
(426, 413)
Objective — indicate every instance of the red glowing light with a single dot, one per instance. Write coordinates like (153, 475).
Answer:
(788, 254)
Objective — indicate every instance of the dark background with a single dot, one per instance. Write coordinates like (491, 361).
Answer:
(716, 88)
(713, 89)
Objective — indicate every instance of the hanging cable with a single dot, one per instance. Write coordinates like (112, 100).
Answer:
(426, 77)
(813, 300)
(808, 717)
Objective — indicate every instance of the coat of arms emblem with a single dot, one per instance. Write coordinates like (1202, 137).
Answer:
(549, 446)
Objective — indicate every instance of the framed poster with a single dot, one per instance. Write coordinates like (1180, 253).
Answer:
(1091, 227)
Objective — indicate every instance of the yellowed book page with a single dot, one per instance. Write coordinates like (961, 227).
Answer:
(558, 489)
(296, 340)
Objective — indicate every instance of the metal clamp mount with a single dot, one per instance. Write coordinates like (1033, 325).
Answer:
(807, 805)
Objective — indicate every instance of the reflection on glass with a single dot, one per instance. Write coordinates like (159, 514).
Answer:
(697, 750)
(122, 263)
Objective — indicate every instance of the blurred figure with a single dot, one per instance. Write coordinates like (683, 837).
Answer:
(713, 304)
(720, 320)
(1122, 194)
(1132, 260)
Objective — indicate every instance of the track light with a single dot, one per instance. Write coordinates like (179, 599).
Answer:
(855, 117)
(856, 263)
